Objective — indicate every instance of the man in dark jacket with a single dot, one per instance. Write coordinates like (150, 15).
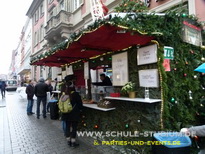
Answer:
(105, 81)
(30, 94)
(41, 90)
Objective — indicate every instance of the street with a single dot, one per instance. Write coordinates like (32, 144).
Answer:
(23, 134)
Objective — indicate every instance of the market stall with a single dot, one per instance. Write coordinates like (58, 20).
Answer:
(155, 52)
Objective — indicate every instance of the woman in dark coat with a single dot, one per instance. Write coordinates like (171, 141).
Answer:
(73, 117)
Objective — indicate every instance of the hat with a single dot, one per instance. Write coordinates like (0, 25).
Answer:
(41, 79)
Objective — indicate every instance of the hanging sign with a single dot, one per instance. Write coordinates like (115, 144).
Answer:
(192, 34)
(86, 70)
(147, 55)
(166, 65)
(120, 69)
(69, 70)
(149, 78)
(168, 52)
(63, 74)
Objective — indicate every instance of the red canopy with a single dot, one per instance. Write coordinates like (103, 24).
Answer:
(106, 38)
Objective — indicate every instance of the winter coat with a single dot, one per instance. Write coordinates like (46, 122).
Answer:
(30, 92)
(198, 130)
(3, 85)
(41, 89)
(105, 82)
(50, 88)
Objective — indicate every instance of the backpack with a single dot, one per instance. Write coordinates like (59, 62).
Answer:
(64, 104)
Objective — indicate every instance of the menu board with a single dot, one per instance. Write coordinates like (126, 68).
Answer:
(69, 70)
(63, 74)
(149, 78)
(120, 69)
(147, 55)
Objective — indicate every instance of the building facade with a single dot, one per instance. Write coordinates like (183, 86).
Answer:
(53, 21)
(24, 68)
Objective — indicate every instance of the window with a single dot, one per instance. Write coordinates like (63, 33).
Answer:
(50, 1)
(37, 15)
(35, 38)
(41, 33)
(51, 14)
(41, 10)
(77, 4)
(62, 5)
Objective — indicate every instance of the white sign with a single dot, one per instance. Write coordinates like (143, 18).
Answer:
(120, 69)
(63, 74)
(147, 55)
(69, 70)
(86, 70)
(149, 78)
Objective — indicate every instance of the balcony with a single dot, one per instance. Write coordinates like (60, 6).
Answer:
(58, 27)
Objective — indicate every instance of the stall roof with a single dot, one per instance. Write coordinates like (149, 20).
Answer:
(104, 39)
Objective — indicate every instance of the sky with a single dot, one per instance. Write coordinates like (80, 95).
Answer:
(13, 17)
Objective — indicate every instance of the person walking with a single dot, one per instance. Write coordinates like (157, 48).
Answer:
(71, 119)
(3, 89)
(40, 90)
(30, 94)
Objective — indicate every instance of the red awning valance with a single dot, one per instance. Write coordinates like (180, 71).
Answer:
(106, 38)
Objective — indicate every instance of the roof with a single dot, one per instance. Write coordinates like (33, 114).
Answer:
(90, 43)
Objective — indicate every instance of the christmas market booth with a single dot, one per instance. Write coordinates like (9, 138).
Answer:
(153, 55)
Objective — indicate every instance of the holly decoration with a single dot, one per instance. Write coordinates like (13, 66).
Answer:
(131, 6)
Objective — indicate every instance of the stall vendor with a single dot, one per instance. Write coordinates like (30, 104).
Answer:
(105, 81)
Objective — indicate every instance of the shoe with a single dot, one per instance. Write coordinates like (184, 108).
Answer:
(38, 117)
(74, 145)
(32, 113)
(28, 113)
(44, 116)
(69, 143)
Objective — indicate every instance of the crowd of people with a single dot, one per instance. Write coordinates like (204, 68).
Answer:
(41, 89)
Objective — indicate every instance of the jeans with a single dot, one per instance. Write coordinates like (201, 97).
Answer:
(64, 127)
(39, 99)
(30, 105)
(48, 107)
(3, 92)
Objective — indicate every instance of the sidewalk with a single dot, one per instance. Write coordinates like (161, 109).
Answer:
(23, 134)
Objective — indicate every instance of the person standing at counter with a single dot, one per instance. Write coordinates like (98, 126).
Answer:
(105, 81)
(71, 119)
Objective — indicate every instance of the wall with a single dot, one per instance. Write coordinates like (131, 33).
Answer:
(200, 9)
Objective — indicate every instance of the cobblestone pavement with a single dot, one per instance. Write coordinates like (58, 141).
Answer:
(23, 134)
